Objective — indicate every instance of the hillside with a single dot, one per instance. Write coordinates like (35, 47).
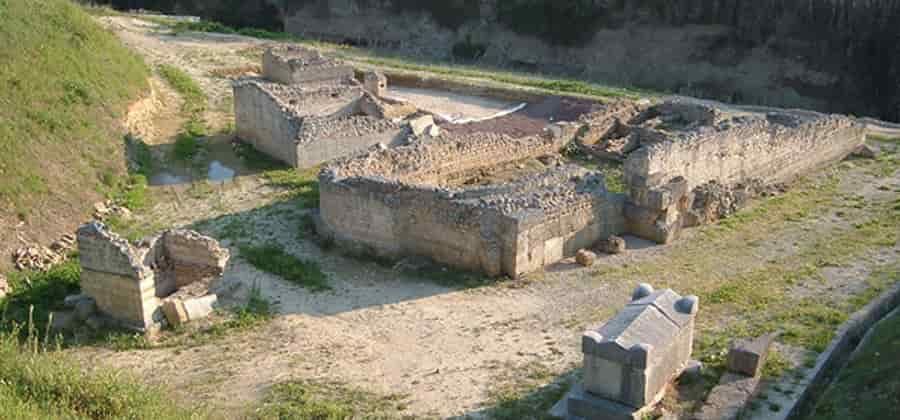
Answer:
(65, 84)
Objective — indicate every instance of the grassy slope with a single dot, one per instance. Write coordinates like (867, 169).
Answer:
(869, 388)
(65, 83)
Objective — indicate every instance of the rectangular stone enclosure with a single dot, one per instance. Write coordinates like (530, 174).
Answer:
(129, 283)
(309, 109)
(682, 163)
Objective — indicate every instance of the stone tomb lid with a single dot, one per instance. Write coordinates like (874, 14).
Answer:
(651, 322)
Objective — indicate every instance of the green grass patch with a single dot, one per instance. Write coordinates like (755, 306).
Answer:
(300, 184)
(35, 294)
(39, 382)
(869, 387)
(187, 143)
(255, 160)
(528, 395)
(191, 92)
(274, 259)
(326, 401)
(64, 84)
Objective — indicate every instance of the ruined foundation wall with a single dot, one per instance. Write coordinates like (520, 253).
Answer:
(544, 239)
(392, 220)
(263, 122)
(113, 274)
(762, 151)
(324, 139)
(307, 66)
(390, 202)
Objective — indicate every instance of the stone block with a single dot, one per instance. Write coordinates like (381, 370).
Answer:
(727, 400)
(748, 357)
(612, 245)
(201, 307)
(585, 258)
(578, 404)
(375, 83)
(632, 357)
(421, 124)
(175, 313)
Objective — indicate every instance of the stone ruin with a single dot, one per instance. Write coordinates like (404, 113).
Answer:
(308, 108)
(131, 284)
(687, 163)
(629, 361)
(684, 164)
(415, 200)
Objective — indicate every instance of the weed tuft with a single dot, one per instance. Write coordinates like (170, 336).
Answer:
(273, 259)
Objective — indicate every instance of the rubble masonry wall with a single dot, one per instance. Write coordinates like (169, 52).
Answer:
(323, 139)
(763, 151)
(555, 236)
(112, 274)
(264, 123)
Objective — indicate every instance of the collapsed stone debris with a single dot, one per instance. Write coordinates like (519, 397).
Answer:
(130, 284)
(308, 109)
(41, 258)
(629, 360)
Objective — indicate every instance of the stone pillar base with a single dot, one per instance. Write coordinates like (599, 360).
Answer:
(578, 404)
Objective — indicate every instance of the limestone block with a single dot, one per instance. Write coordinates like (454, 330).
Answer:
(375, 82)
(192, 248)
(749, 356)
(632, 357)
(612, 245)
(175, 312)
(421, 124)
(585, 257)
(201, 307)
(727, 400)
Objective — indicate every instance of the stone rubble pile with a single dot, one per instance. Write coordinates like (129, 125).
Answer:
(42, 258)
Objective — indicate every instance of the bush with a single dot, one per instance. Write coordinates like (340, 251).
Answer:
(469, 50)
(559, 22)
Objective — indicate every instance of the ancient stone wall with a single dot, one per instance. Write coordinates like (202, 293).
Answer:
(128, 282)
(685, 148)
(391, 202)
(774, 149)
(287, 64)
(262, 121)
(115, 274)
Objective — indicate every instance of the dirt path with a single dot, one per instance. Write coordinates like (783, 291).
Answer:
(444, 350)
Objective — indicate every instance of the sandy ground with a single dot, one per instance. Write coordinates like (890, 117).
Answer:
(444, 350)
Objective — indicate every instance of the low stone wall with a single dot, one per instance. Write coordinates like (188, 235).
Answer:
(289, 64)
(682, 148)
(771, 150)
(390, 203)
(325, 139)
